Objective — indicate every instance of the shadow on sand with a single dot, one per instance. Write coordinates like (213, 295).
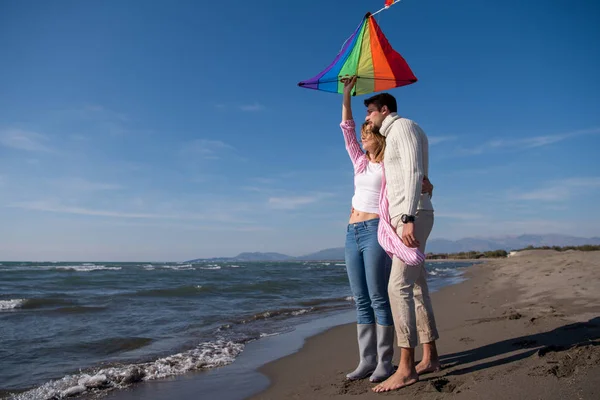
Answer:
(559, 339)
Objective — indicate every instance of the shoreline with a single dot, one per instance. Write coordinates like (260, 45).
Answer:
(494, 323)
(505, 332)
(249, 380)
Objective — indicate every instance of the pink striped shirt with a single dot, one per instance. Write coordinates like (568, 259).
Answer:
(386, 234)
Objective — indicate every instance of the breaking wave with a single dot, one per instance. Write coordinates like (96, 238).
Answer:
(206, 356)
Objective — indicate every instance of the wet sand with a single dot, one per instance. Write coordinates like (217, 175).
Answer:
(524, 327)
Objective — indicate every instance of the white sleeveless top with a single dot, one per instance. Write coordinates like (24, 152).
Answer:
(367, 187)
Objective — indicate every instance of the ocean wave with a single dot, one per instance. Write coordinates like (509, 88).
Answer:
(179, 267)
(444, 272)
(206, 355)
(11, 304)
(290, 312)
(34, 303)
(316, 302)
(264, 335)
(86, 268)
(180, 291)
(113, 345)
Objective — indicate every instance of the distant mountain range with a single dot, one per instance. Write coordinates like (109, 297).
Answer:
(433, 246)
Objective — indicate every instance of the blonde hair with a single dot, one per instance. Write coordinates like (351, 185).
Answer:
(366, 131)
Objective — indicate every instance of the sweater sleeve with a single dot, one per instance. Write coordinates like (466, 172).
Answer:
(411, 157)
(352, 146)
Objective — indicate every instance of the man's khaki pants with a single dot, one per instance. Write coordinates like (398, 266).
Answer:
(408, 291)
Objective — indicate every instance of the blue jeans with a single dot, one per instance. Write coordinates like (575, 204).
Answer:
(368, 267)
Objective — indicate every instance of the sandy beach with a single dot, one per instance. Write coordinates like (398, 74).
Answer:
(524, 327)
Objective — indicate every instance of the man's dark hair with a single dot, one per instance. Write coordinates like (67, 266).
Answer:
(383, 99)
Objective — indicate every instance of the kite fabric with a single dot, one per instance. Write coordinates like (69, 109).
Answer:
(368, 55)
(389, 2)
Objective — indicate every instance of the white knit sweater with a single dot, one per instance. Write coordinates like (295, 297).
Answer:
(406, 161)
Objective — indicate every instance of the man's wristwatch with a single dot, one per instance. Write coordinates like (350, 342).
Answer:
(407, 218)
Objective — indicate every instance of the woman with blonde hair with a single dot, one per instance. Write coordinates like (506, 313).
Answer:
(367, 263)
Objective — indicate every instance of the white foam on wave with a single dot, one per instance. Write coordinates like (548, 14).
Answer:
(445, 272)
(181, 267)
(236, 266)
(206, 356)
(300, 312)
(215, 267)
(87, 268)
(264, 335)
(11, 304)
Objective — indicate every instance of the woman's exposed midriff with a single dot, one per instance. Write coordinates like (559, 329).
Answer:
(360, 216)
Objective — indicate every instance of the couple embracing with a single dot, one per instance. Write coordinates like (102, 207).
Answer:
(391, 217)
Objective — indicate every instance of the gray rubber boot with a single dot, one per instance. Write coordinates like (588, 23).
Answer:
(367, 348)
(385, 353)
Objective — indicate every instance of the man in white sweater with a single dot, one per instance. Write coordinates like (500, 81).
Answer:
(406, 162)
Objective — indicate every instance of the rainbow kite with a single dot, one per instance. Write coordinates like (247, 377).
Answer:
(368, 55)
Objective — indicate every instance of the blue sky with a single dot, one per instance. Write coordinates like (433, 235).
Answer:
(134, 130)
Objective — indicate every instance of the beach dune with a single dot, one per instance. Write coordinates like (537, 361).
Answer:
(524, 327)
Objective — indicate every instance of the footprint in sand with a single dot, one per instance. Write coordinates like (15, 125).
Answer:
(515, 315)
(443, 385)
(564, 362)
(352, 387)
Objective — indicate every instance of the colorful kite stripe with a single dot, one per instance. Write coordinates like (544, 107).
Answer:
(368, 55)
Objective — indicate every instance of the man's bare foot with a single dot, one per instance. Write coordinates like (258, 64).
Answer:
(397, 381)
(425, 367)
